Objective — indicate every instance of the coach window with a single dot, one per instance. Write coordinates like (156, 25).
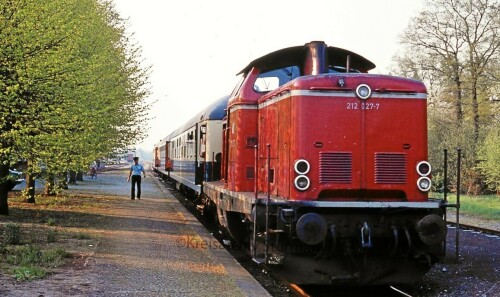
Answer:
(203, 140)
(190, 144)
(271, 80)
(178, 149)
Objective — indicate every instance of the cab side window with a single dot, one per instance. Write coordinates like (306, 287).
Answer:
(271, 80)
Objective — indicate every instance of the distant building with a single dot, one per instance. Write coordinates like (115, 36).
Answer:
(122, 156)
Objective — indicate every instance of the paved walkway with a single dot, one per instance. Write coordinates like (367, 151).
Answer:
(154, 247)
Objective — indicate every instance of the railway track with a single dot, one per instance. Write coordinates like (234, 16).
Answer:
(288, 289)
(319, 291)
(335, 291)
(475, 228)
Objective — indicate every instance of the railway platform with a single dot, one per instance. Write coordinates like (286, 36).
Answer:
(155, 247)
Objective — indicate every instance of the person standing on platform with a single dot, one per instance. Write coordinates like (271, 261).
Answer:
(135, 172)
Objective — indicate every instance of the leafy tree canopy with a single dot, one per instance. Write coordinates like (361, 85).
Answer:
(71, 85)
(454, 47)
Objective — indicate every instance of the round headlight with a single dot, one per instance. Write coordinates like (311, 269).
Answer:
(424, 184)
(363, 91)
(301, 166)
(302, 182)
(424, 168)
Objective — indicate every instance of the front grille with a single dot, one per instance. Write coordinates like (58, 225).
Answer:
(390, 168)
(335, 167)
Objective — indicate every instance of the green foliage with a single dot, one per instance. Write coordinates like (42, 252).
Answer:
(25, 255)
(52, 236)
(444, 134)
(25, 194)
(483, 206)
(53, 257)
(454, 47)
(29, 273)
(31, 255)
(31, 261)
(51, 222)
(489, 155)
(71, 85)
(12, 233)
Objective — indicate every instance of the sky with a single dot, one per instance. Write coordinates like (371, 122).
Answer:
(195, 48)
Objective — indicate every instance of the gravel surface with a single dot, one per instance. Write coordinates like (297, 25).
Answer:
(474, 221)
(146, 247)
(477, 272)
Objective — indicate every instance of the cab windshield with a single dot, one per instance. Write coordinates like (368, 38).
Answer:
(271, 80)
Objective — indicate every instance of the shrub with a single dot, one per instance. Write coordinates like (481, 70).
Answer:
(30, 255)
(29, 273)
(53, 257)
(52, 236)
(13, 233)
(51, 222)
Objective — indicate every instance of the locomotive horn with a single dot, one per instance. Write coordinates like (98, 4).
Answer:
(432, 229)
(311, 228)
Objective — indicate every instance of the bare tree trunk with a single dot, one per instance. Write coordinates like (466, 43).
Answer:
(458, 96)
(4, 189)
(30, 188)
(30, 183)
(79, 176)
(475, 112)
(72, 177)
(50, 185)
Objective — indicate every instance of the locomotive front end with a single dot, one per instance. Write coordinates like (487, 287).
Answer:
(358, 137)
(325, 171)
(349, 170)
(359, 180)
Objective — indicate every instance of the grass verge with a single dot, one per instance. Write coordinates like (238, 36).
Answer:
(484, 206)
(37, 240)
(29, 262)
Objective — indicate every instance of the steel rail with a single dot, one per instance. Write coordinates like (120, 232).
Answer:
(477, 228)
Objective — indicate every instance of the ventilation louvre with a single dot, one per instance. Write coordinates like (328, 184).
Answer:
(335, 167)
(390, 168)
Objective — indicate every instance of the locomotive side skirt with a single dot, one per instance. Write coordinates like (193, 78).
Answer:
(243, 202)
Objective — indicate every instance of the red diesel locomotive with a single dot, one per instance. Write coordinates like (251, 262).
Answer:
(321, 168)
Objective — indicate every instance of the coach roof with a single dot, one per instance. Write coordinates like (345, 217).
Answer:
(215, 111)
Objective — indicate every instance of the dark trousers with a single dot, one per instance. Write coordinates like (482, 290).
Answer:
(136, 179)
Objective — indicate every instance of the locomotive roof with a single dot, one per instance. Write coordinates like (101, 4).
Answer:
(296, 56)
(215, 111)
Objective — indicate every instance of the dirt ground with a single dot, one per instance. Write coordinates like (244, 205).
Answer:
(120, 247)
(75, 222)
(79, 221)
